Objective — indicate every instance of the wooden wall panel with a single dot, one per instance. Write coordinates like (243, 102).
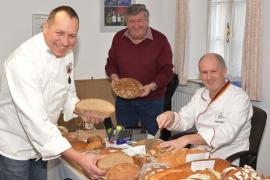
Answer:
(92, 88)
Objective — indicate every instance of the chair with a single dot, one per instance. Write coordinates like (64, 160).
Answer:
(249, 157)
(171, 87)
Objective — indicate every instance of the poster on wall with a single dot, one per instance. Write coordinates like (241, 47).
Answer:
(37, 23)
(113, 13)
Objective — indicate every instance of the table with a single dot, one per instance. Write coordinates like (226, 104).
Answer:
(59, 169)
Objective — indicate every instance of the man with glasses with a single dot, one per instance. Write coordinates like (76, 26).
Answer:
(220, 111)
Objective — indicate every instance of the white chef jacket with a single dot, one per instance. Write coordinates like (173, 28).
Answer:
(225, 125)
(34, 90)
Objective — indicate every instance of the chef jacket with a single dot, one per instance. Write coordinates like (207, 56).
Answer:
(35, 88)
(224, 125)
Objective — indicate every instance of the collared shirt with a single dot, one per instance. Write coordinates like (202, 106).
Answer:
(35, 88)
(224, 125)
(148, 35)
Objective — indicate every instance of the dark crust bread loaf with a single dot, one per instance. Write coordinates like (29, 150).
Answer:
(127, 88)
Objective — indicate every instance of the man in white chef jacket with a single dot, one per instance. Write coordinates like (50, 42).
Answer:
(220, 111)
(36, 86)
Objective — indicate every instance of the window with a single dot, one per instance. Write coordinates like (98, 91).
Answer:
(226, 21)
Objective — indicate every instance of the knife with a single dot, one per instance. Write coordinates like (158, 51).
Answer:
(157, 135)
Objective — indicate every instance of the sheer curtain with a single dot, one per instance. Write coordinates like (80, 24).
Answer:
(181, 42)
(252, 52)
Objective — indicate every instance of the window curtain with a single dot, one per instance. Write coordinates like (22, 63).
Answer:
(181, 39)
(252, 50)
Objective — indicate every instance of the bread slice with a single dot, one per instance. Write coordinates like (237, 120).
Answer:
(99, 107)
(112, 159)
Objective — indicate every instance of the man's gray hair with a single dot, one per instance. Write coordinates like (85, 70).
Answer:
(220, 59)
(135, 9)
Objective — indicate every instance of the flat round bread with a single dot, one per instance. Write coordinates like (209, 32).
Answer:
(100, 107)
(127, 88)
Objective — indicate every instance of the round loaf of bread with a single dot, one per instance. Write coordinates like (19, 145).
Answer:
(112, 159)
(96, 106)
(127, 88)
(124, 171)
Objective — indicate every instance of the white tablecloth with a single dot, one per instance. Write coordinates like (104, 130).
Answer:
(59, 169)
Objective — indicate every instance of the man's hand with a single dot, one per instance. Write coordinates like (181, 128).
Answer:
(148, 88)
(114, 78)
(86, 162)
(174, 144)
(165, 119)
(90, 168)
(91, 118)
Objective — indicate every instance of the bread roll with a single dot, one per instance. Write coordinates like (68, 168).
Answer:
(112, 159)
(95, 142)
(124, 171)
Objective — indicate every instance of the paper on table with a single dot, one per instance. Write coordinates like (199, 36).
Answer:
(201, 165)
(131, 151)
(198, 156)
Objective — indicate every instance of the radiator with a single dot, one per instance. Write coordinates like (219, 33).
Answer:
(183, 95)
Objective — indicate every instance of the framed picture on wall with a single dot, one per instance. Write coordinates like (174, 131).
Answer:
(113, 13)
(37, 22)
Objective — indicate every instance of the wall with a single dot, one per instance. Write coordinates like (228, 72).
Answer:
(93, 45)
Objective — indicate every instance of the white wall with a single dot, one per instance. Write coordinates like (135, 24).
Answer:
(93, 45)
(16, 27)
